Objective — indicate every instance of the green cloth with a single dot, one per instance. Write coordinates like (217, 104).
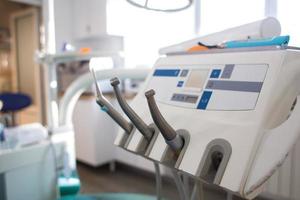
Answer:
(69, 186)
(110, 196)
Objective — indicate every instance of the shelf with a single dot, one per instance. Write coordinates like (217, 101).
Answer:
(74, 56)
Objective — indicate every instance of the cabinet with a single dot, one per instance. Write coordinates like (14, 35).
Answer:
(89, 18)
(76, 19)
(95, 132)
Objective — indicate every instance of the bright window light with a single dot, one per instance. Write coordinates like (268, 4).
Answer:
(218, 15)
(289, 15)
(101, 63)
(145, 32)
(167, 4)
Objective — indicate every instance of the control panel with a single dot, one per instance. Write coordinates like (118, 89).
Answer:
(209, 87)
(177, 120)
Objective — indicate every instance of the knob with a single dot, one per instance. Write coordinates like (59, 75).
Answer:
(172, 138)
(135, 119)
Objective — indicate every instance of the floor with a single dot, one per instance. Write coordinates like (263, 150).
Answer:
(127, 179)
(101, 179)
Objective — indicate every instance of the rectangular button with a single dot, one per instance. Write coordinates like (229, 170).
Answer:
(184, 98)
(184, 73)
(215, 73)
(227, 71)
(180, 83)
(204, 100)
(177, 97)
(241, 86)
(167, 72)
(191, 99)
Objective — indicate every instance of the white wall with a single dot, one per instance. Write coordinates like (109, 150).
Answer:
(63, 22)
(74, 19)
(95, 132)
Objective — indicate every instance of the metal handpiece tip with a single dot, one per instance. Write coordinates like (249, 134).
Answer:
(98, 91)
(114, 81)
(150, 93)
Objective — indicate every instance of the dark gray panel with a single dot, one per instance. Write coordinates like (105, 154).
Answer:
(228, 69)
(184, 98)
(184, 73)
(242, 86)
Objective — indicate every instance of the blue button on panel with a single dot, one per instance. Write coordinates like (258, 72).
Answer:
(166, 72)
(180, 83)
(215, 73)
(204, 100)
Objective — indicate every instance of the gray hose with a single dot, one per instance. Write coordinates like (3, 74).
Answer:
(186, 183)
(158, 181)
(229, 196)
(180, 187)
(197, 191)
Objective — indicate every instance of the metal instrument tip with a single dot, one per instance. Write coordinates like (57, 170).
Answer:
(98, 91)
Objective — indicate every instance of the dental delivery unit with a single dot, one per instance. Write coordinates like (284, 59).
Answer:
(227, 117)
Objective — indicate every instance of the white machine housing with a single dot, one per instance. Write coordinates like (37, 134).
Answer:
(242, 97)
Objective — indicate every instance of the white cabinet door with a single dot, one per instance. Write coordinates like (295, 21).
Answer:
(97, 17)
(95, 132)
(79, 13)
(89, 18)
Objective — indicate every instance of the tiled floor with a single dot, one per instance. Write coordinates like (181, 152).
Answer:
(127, 179)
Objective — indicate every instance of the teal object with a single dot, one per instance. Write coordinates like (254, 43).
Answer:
(104, 108)
(275, 41)
(69, 186)
(110, 196)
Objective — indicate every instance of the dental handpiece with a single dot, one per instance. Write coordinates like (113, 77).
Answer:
(132, 115)
(109, 109)
(172, 138)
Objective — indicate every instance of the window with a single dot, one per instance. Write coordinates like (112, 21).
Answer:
(145, 32)
(217, 15)
(289, 15)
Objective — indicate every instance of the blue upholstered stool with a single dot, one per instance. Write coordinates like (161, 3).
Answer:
(13, 102)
